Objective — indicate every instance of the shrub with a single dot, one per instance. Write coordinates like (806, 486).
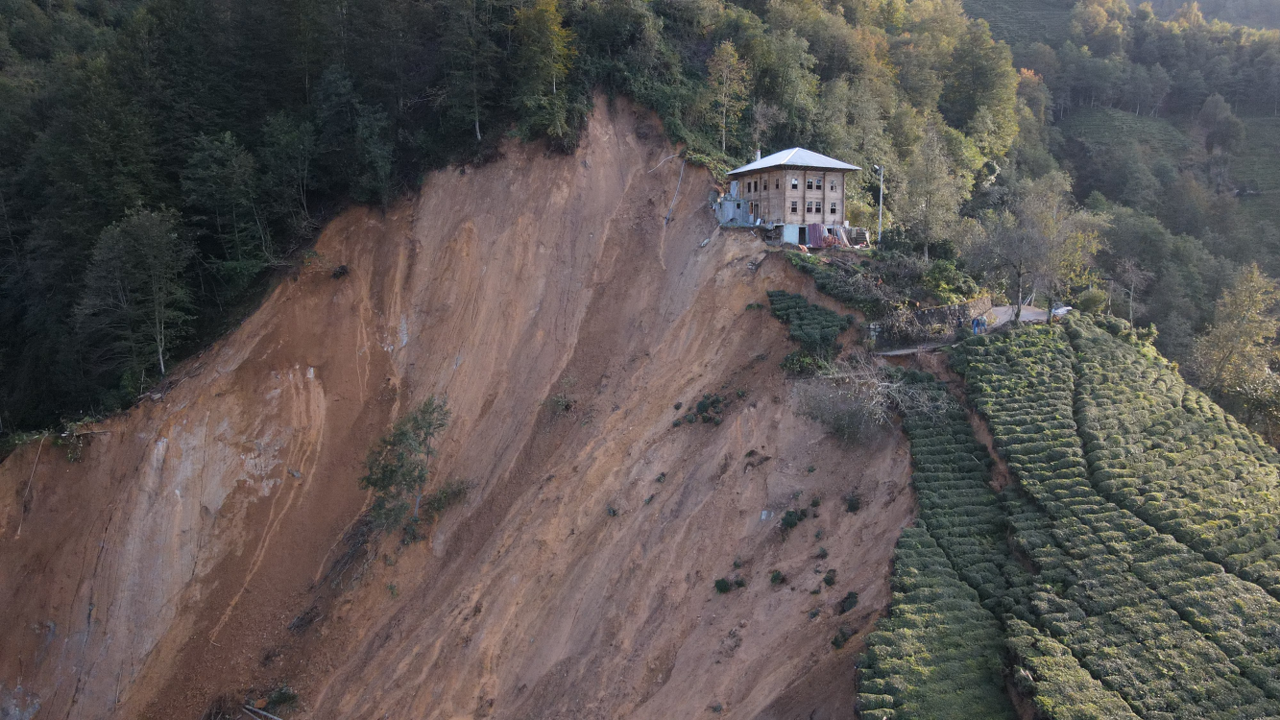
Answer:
(397, 469)
(777, 578)
(1091, 300)
(723, 586)
(800, 363)
(842, 636)
(848, 602)
(830, 578)
(790, 519)
(852, 503)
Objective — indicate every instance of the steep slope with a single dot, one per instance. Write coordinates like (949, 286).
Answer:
(166, 567)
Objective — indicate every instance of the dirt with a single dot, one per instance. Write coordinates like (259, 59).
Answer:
(164, 569)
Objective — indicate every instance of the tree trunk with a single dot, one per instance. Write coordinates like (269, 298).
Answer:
(1017, 311)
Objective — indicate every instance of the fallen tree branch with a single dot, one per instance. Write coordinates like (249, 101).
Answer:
(22, 513)
(262, 712)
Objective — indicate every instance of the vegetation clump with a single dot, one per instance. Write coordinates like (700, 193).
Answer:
(792, 518)
(397, 471)
(813, 326)
(842, 636)
(709, 409)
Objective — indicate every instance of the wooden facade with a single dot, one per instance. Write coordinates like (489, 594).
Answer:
(794, 196)
(793, 189)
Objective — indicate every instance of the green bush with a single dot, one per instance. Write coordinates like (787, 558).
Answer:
(1091, 300)
(397, 472)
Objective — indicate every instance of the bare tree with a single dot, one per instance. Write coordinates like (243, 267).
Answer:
(853, 397)
(1042, 240)
(1132, 279)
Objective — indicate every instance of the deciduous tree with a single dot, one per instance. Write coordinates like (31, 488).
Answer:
(543, 55)
(1041, 240)
(728, 80)
(1237, 350)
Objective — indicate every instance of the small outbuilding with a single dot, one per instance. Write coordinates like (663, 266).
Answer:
(791, 190)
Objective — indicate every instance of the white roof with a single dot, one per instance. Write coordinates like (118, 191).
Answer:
(796, 157)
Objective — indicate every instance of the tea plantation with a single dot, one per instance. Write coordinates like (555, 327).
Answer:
(1129, 571)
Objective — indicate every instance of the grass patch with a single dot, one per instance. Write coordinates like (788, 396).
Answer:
(1016, 21)
(1108, 126)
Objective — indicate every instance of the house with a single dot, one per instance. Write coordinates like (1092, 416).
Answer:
(792, 189)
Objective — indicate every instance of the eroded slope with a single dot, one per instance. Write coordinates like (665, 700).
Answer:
(165, 568)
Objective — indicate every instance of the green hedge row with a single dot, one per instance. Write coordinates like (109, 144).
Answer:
(814, 327)
(1139, 610)
(1180, 464)
(938, 653)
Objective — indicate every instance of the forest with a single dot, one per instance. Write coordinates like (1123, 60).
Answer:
(162, 160)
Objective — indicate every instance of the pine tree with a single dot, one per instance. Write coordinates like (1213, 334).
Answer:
(136, 304)
(220, 189)
(472, 61)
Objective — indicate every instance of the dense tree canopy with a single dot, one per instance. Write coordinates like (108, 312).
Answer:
(245, 125)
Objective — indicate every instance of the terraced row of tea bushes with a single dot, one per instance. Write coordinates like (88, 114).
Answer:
(814, 327)
(1109, 584)
(1178, 462)
(965, 518)
(937, 654)
(1053, 679)
(950, 475)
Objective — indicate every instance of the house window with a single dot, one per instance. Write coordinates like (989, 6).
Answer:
(738, 206)
(808, 184)
(795, 184)
(818, 185)
(794, 209)
(775, 183)
(833, 208)
(808, 207)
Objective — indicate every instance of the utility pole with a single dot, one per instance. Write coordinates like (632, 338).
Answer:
(880, 222)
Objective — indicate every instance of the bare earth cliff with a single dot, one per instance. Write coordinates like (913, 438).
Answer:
(166, 568)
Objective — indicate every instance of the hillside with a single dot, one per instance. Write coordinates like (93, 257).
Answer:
(1014, 21)
(1256, 170)
(196, 550)
(1131, 564)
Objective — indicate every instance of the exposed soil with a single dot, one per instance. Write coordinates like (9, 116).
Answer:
(166, 568)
